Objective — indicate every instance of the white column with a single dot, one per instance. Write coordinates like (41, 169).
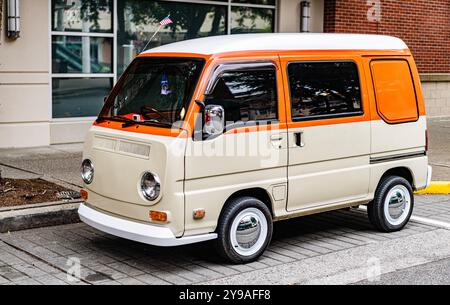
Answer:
(86, 49)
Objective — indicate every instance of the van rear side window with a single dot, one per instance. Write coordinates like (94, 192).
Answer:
(394, 91)
(321, 90)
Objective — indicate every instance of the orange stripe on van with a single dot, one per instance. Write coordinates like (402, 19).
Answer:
(281, 58)
(255, 128)
(166, 132)
(167, 54)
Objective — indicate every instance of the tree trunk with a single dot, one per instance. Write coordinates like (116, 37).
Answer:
(197, 22)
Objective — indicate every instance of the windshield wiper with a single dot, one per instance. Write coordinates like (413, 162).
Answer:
(113, 118)
(146, 122)
(129, 122)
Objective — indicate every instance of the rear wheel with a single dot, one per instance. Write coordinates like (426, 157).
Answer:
(393, 204)
(244, 230)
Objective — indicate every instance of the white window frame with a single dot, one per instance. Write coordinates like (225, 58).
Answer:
(229, 4)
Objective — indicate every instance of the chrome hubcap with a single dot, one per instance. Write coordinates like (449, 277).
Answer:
(397, 205)
(248, 231)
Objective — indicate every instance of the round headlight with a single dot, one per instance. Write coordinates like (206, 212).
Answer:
(150, 186)
(87, 171)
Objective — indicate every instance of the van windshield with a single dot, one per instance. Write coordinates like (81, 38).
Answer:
(154, 90)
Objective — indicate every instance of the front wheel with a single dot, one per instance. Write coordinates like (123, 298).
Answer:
(393, 204)
(244, 230)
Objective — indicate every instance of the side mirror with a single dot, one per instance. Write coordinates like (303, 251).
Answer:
(214, 120)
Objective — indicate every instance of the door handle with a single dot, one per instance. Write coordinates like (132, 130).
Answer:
(299, 139)
(276, 140)
(276, 137)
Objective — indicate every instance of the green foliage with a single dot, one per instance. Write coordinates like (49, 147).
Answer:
(90, 10)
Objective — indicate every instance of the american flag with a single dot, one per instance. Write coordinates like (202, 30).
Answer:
(165, 21)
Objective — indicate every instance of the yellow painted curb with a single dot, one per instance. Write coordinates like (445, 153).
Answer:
(436, 187)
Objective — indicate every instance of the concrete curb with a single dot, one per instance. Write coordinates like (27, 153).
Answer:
(436, 187)
(38, 215)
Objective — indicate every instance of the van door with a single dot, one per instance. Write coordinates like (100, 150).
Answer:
(328, 132)
(250, 154)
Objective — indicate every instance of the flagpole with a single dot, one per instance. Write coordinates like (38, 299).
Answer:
(161, 24)
(153, 36)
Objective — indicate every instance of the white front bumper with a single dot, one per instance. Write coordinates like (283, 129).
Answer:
(144, 233)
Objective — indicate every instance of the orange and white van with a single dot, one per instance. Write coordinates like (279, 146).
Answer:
(216, 138)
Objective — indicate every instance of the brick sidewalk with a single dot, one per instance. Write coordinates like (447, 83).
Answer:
(40, 255)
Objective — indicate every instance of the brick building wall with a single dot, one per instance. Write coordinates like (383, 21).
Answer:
(424, 25)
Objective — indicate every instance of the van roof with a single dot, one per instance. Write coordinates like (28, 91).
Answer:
(281, 41)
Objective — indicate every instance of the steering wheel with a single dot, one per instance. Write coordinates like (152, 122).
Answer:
(147, 109)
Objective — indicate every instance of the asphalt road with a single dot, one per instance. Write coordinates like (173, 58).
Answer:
(434, 273)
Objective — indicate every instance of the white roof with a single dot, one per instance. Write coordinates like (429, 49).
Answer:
(282, 41)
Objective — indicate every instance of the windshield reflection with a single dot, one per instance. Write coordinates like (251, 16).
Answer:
(154, 90)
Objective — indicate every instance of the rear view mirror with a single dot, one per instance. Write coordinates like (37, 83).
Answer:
(214, 120)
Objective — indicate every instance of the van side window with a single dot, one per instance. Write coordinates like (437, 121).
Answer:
(246, 95)
(324, 89)
(394, 90)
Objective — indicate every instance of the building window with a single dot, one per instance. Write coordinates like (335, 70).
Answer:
(324, 89)
(79, 97)
(78, 54)
(138, 20)
(90, 16)
(88, 44)
(82, 56)
(262, 2)
(251, 20)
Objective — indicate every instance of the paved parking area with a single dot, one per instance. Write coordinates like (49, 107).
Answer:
(42, 256)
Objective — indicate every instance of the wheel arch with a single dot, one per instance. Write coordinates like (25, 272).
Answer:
(401, 171)
(256, 192)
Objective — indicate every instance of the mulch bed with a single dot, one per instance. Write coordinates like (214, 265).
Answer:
(15, 192)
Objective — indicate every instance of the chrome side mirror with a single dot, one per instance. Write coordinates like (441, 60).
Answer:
(214, 120)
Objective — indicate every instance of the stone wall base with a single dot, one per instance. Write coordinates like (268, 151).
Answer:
(437, 97)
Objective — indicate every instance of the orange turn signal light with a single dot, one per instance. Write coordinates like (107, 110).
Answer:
(158, 216)
(84, 194)
(199, 213)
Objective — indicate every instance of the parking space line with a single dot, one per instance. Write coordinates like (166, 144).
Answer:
(432, 222)
(423, 220)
